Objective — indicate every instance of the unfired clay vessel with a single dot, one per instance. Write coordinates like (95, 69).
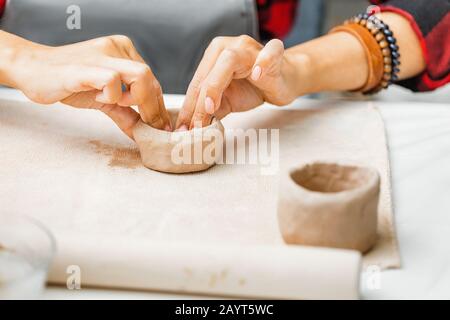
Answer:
(157, 146)
(330, 205)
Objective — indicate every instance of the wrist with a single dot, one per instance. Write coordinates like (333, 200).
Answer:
(8, 58)
(16, 57)
(334, 62)
(300, 69)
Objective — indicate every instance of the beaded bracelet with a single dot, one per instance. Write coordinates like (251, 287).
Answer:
(381, 75)
(388, 45)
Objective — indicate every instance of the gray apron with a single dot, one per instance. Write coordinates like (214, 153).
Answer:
(171, 35)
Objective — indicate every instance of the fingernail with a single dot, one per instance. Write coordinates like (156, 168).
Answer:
(182, 128)
(256, 73)
(168, 127)
(209, 105)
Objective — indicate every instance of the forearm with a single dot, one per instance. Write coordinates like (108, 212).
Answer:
(337, 62)
(13, 50)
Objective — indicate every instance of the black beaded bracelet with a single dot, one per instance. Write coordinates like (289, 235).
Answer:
(388, 45)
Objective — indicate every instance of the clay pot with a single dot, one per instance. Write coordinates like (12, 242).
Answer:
(179, 152)
(329, 205)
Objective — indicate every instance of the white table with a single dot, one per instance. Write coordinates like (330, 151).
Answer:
(419, 142)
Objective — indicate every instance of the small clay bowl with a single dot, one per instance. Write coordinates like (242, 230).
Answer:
(181, 151)
(329, 205)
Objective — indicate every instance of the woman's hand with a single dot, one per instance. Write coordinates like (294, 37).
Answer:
(92, 75)
(237, 74)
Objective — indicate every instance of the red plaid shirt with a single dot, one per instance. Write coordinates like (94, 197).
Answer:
(430, 20)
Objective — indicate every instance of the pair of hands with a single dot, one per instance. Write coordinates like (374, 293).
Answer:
(235, 74)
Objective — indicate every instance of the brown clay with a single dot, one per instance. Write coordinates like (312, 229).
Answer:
(158, 147)
(121, 157)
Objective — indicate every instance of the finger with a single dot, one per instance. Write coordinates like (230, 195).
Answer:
(112, 91)
(187, 110)
(268, 62)
(144, 90)
(127, 48)
(231, 64)
(127, 98)
(200, 117)
(222, 112)
(146, 93)
(124, 117)
(133, 54)
(85, 78)
(162, 108)
(128, 51)
(102, 82)
(207, 62)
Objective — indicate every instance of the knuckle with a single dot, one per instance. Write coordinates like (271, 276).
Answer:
(157, 87)
(144, 72)
(216, 44)
(122, 40)
(265, 60)
(230, 55)
(244, 41)
(271, 60)
(105, 42)
(195, 87)
(277, 42)
(196, 83)
(213, 88)
(273, 50)
(217, 41)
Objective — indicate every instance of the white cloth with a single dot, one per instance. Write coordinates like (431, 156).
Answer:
(81, 176)
(419, 144)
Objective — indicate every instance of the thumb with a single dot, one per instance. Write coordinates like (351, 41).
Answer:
(124, 117)
(268, 63)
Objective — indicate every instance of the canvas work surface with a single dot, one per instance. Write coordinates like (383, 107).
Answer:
(78, 174)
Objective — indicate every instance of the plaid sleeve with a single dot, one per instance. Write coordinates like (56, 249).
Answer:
(430, 20)
(2, 7)
(276, 17)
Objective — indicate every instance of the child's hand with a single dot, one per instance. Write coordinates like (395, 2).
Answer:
(90, 74)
